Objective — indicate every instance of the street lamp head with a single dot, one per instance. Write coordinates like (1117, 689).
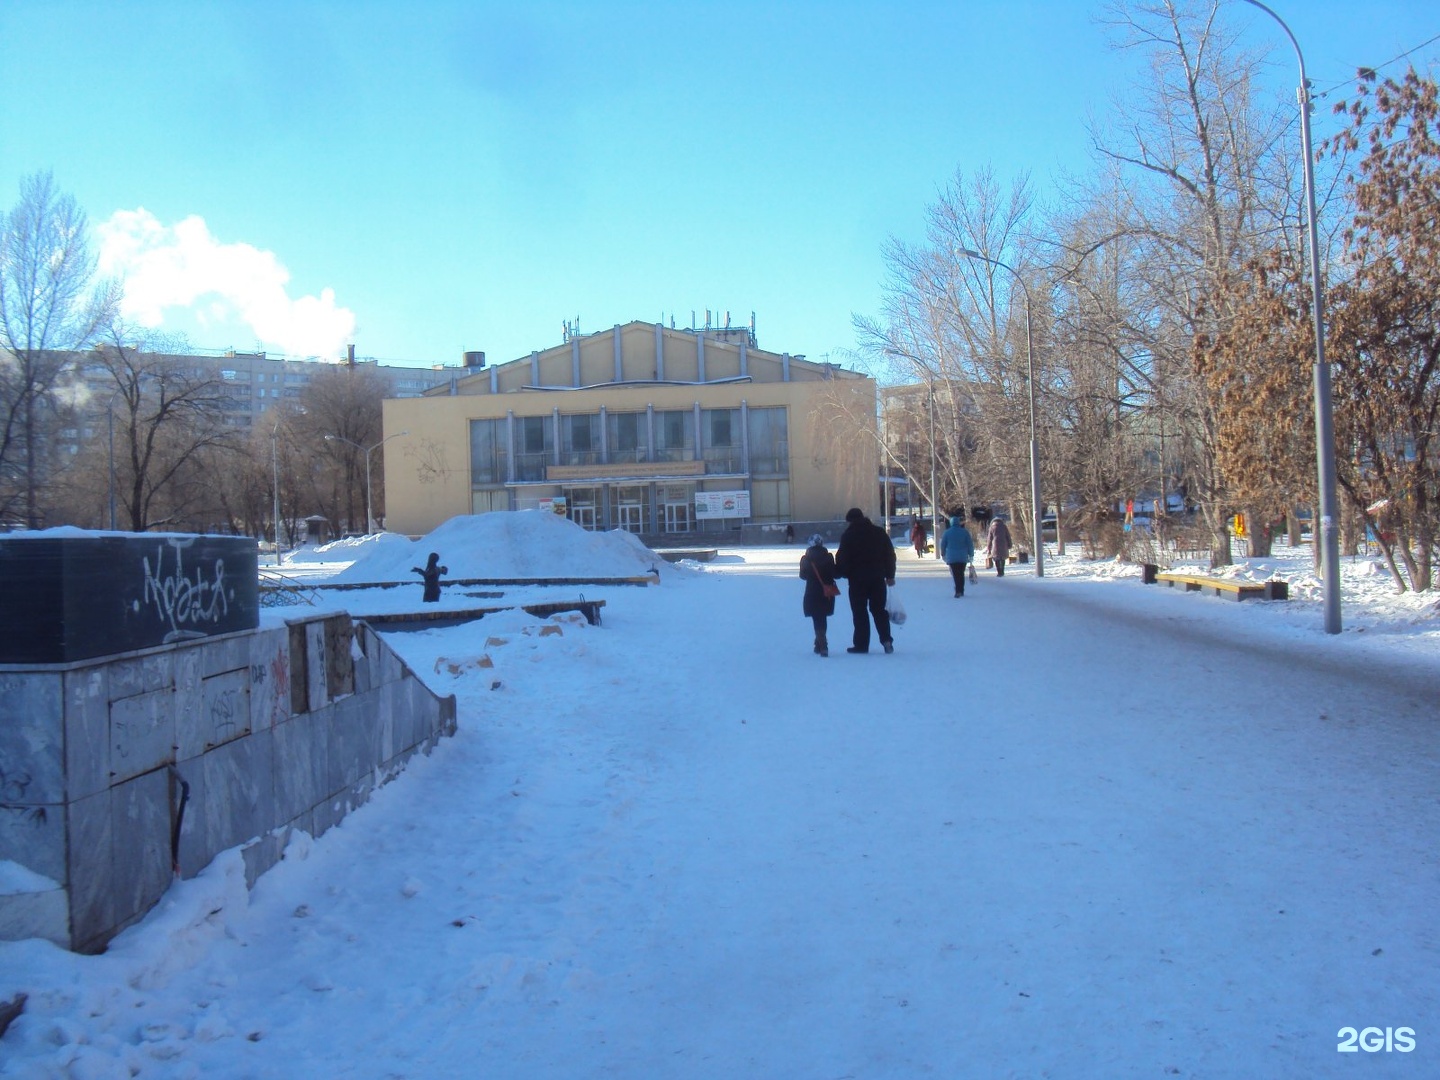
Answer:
(969, 253)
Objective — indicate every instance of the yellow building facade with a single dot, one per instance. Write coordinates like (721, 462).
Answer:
(663, 432)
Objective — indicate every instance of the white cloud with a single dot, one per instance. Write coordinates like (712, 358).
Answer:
(220, 286)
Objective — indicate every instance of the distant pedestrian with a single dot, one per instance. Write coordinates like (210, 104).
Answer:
(918, 537)
(817, 567)
(866, 557)
(789, 534)
(431, 576)
(957, 547)
(997, 545)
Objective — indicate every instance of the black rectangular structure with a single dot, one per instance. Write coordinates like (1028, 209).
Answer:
(70, 595)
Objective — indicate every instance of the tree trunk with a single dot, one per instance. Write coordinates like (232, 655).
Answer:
(1258, 535)
(1292, 529)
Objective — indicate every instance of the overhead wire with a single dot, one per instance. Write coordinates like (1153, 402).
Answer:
(1379, 67)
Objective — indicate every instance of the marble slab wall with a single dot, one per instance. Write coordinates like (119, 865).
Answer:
(257, 733)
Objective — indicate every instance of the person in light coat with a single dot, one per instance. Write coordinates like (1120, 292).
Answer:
(957, 548)
(997, 545)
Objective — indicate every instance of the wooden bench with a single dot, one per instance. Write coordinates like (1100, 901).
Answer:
(434, 620)
(679, 554)
(1226, 587)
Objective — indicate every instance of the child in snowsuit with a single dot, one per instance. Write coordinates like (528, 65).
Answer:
(431, 576)
(817, 567)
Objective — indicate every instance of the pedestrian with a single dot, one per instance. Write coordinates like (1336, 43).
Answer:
(431, 576)
(918, 537)
(957, 547)
(997, 544)
(866, 558)
(790, 533)
(817, 567)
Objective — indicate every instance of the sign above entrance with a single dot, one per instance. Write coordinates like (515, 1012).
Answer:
(634, 468)
(721, 504)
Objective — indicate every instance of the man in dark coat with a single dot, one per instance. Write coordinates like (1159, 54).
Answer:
(866, 558)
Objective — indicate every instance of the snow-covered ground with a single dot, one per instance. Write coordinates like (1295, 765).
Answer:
(1077, 827)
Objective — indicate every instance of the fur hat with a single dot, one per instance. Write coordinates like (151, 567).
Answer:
(815, 539)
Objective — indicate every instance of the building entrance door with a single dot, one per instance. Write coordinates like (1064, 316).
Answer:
(627, 518)
(677, 517)
(584, 516)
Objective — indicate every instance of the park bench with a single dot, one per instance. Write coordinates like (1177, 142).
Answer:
(1229, 588)
(416, 620)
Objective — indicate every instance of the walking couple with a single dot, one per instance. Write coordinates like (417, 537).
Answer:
(866, 558)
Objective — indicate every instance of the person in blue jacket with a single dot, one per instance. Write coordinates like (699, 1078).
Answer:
(957, 548)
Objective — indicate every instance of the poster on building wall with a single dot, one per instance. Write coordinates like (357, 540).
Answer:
(555, 506)
(721, 504)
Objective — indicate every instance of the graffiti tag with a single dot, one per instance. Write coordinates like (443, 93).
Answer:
(181, 601)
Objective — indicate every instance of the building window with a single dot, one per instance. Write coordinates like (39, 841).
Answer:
(626, 432)
(770, 501)
(581, 439)
(675, 435)
(536, 444)
(487, 452)
(769, 442)
(721, 432)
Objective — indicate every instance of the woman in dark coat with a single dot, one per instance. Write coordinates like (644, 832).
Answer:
(817, 567)
(919, 538)
(431, 576)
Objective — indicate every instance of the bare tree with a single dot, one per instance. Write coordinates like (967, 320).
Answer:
(340, 416)
(952, 324)
(50, 308)
(168, 415)
(1203, 193)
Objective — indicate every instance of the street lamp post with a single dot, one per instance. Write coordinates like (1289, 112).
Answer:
(369, 517)
(1328, 536)
(275, 467)
(110, 412)
(934, 506)
(1035, 505)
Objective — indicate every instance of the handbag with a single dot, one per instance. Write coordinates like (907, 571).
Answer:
(830, 589)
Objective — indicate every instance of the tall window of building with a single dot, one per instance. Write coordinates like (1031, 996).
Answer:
(627, 436)
(675, 435)
(769, 442)
(720, 432)
(581, 443)
(487, 452)
(536, 446)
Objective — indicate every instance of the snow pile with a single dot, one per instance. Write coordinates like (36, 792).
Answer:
(16, 879)
(348, 549)
(504, 546)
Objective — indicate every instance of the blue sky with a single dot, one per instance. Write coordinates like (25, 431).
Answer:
(430, 177)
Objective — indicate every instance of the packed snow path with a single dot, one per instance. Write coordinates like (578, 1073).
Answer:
(1046, 837)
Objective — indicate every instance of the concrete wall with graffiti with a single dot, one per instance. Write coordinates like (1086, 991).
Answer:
(270, 730)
